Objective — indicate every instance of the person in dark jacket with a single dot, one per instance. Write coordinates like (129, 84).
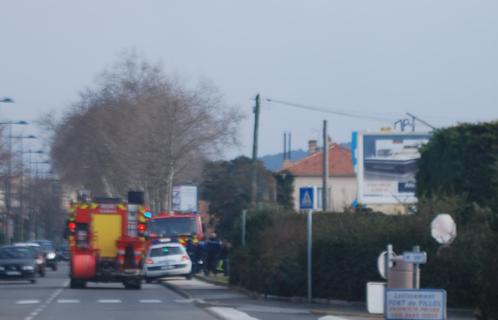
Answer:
(213, 248)
(224, 256)
(191, 248)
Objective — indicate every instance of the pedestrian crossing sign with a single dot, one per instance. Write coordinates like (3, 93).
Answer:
(306, 198)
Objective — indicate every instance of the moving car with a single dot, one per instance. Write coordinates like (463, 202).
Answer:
(49, 253)
(167, 259)
(37, 252)
(17, 263)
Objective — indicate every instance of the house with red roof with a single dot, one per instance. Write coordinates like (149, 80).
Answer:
(342, 183)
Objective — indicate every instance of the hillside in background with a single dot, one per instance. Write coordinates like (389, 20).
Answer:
(273, 162)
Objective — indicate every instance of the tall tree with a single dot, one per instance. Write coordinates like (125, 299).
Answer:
(137, 128)
(461, 160)
(227, 187)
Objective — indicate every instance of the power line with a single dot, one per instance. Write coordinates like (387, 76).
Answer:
(331, 111)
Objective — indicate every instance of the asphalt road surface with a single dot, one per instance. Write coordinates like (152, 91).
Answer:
(51, 299)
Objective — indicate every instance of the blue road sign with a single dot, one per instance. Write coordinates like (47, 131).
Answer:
(306, 198)
(415, 257)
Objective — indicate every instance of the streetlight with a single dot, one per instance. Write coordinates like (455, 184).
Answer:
(7, 205)
(31, 207)
(21, 185)
(8, 181)
(6, 100)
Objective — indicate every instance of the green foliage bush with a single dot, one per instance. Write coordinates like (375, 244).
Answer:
(346, 247)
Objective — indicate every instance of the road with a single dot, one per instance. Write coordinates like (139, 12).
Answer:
(51, 299)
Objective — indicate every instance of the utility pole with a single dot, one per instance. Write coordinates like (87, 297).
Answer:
(325, 167)
(255, 153)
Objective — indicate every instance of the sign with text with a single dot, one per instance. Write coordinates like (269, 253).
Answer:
(184, 199)
(415, 304)
(415, 257)
(386, 164)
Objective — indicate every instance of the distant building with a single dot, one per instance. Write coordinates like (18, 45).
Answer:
(342, 182)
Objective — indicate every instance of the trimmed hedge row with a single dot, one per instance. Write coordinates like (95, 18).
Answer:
(346, 247)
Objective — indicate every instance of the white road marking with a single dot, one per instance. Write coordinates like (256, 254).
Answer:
(68, 301)
(331, 318)
(28, 301)
(271, 309)
(109, 301)
(184, 300)
(230, 313)
(38, 310)
(150, 301)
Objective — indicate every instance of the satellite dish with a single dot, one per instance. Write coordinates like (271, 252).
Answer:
(381, 264)
(443, 229)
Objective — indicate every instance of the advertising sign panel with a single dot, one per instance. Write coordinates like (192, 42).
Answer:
(386, 164)
(419, 304)
(184, 199)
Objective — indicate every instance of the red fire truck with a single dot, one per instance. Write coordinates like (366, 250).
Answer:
(175, 225)
(107, 241)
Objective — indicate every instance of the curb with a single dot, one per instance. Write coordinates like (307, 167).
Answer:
(177, 290)
(202, 304)
(322, 301)
(335, 312)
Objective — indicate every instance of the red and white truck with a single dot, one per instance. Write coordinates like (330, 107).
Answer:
(107, 241)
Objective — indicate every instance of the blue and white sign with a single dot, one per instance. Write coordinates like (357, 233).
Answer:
(306, 198)
(415, 257)
(415, 304)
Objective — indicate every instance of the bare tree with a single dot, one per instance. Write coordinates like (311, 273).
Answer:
(136, 128)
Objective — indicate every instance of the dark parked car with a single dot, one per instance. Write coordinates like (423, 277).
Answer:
(37, 251)
(17, 263)
(62, 253)
(48, 253)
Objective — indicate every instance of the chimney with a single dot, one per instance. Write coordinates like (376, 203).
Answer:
(312, 146)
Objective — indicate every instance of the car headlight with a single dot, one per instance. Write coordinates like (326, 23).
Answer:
(28, 268)
(51, 255)
(2, 268)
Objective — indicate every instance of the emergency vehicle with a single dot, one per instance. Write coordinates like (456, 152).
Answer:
(179, 226)
(107, 241)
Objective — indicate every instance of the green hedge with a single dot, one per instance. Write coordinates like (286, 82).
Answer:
(346, 247)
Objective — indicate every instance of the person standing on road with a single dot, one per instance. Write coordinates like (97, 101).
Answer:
(213, 248)
(191, 247)
(224, 257)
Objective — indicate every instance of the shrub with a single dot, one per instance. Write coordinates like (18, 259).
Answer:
(346, 247)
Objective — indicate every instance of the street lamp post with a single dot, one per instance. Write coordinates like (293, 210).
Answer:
(7, 211)
(33, 203)
(31, 214)
(21, 185)
(8, 181)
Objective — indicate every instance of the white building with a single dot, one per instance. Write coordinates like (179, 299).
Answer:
(342, 182)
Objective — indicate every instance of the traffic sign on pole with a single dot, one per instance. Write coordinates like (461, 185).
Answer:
(415, 257)
(418, 304)
(306, 198)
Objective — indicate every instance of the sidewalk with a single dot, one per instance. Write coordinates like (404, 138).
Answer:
(206, 292)
(213, 293)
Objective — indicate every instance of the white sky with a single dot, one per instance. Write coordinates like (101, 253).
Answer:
(436, 59)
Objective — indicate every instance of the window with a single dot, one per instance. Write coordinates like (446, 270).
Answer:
(165, 251)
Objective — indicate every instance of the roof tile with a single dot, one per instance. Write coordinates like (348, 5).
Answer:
(340, 163)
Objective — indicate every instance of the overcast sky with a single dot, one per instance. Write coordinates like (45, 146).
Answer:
(435, 59)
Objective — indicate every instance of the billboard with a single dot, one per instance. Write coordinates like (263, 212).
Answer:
(386, 164)
(184, 199)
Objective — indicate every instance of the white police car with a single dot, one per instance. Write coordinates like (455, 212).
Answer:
(166, 259)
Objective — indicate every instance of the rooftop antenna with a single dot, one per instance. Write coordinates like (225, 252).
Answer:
(415, 118)
(285, 145)
(290, 147)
